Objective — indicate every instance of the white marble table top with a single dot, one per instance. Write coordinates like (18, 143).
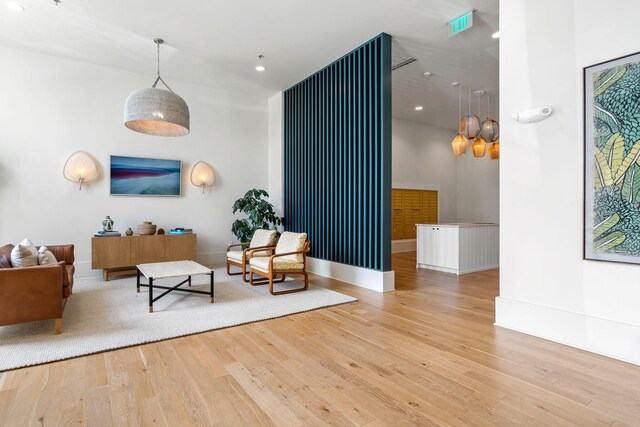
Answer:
(162, 270)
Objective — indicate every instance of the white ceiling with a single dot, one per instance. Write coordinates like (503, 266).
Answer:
(216, 43)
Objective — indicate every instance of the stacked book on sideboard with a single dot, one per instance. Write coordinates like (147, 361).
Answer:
(181, 231)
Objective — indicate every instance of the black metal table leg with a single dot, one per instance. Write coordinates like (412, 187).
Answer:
(169, 289)
(211, 286)
(150, 294)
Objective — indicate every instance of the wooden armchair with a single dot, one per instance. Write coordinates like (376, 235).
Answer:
(263, 240)
(290, 258)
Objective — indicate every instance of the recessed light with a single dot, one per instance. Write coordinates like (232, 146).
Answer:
(427, 74)
(260, 67)
(496, 35)
(14, 6)
(419, 107)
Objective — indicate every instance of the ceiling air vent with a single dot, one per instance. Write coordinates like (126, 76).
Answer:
(403, 63)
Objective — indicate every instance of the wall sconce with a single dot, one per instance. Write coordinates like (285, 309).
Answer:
(80, 167)
(202, 175)
(533, 114)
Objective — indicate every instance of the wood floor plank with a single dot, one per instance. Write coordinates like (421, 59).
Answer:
(268, 402)
(426, 354)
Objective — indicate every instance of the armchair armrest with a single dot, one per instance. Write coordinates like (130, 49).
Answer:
(233, 245)
(303, 251)
(63, 253)
(248, 253)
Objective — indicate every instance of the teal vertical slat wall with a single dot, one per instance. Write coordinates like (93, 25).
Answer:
(337, 158)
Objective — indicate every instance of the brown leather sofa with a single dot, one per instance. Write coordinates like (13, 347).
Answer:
(28, 294)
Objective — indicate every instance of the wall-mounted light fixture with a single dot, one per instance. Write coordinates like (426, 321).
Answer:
(533, 114)
(81, 168)
(202, 175)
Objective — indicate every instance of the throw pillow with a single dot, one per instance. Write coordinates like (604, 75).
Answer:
(24, 255)
(46, 257)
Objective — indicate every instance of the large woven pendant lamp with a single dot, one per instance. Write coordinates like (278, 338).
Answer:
(157, 111)
(459, 143)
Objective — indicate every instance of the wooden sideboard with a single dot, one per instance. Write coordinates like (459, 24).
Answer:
(120, 255)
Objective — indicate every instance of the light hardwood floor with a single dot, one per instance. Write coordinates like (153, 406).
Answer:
(425, 354)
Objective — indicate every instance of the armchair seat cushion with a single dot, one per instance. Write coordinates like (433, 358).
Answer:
(235, 255)
(279, 264)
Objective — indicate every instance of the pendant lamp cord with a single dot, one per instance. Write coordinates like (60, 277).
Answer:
(459, 101)
(469, 97)
(488, 112)
(159, 79)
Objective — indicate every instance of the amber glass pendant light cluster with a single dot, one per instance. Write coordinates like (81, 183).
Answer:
(481, 136)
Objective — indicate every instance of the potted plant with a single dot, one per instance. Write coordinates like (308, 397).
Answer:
(260, 214)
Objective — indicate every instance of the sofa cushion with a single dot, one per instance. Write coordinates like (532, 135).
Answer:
(62, 252)
(235, 255)
(24, 255)
(291, 242)
(5, 256)
(45, 257)
(279, 264)
(263, 238)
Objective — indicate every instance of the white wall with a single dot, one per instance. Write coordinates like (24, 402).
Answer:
(52, 107)
(546, 288)
(276, 165)
(423, 159)
(478, 190)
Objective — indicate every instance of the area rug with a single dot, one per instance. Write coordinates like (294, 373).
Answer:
(102, 316)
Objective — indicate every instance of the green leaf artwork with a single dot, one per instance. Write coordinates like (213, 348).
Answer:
(612, 160)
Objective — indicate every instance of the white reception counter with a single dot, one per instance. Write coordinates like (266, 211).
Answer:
(458, 248)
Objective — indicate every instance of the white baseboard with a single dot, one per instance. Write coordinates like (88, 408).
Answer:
(405, 245)
(436, 268)
(455, 270)
(210, 259)
(381, 281)
(606, 337)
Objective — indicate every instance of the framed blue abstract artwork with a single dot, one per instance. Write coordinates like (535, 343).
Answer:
(136, 176)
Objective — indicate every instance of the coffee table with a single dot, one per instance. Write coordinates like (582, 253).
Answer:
(164, 270)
